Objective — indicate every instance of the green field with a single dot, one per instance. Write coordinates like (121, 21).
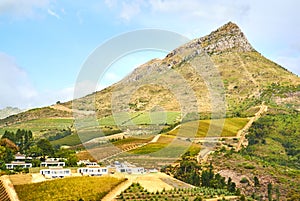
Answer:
(141, 118)
(73, 188)
(85, 135)
(40, 126)
(167, 146)
(228, 128)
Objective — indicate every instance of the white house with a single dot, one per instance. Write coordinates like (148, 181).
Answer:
(21, 157)
(53, 164)
(55, 173)
(86, 163)
(20, 164)
(93, 171)
(131, 170)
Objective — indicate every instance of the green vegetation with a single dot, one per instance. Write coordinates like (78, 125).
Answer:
(191, 172)
(141, 118)
(276, 139)
(22, 141)
(272, 156)
(22, 138)
(167, 146)
(37, 113)
(137, 192)
(130, 141)
(74, 188)
(200, 128)
(41, 127)
(86, 135)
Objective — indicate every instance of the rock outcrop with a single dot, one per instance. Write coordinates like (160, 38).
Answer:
(229, 37)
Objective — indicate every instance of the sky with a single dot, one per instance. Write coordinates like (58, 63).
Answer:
(44, 43)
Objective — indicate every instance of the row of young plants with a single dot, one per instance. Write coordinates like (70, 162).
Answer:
(137, 192)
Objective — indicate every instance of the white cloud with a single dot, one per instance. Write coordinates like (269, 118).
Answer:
(15, 86)
(52, 13)
(17, 90)
(79, 16)
(194, 9)
(111, 3)
(21, 8)
(130, 9)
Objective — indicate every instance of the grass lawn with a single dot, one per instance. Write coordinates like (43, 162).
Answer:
(73, 188)
(228, 128)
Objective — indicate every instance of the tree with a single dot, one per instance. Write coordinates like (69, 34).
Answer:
(198, 198)
(22, 138)
(9, 135)
(35, 151)
(277, 194)
(6, 154)
(9, 144)
(72, 160)
(46, 147)
(270, 191)
(230, 185)
(205, 181)
(256, 181)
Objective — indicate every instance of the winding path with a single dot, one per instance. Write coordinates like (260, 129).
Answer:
(242, 133)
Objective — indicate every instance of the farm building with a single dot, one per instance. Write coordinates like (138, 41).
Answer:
(128, 168)
(93, 171)
(86, 163)
(22, 157)
(53, 164)
(131, 170)
(20, 164)
(55, 173)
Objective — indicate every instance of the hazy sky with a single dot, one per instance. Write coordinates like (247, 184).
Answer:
(44, 43)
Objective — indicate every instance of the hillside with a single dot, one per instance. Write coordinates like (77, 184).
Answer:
(245, 74)
(219, 73)
(215, 90)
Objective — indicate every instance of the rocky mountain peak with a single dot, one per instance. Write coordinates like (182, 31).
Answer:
(228, 37)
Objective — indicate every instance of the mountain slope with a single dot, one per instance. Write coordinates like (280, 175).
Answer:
(221, 71)
(244, 72)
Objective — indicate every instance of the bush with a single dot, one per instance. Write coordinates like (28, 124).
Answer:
(244, 180)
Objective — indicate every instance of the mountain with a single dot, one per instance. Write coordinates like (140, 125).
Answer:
(8, 111)
(215, 73)
(222, 61)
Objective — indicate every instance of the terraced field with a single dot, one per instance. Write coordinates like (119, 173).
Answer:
(228, 128)
(167, 146)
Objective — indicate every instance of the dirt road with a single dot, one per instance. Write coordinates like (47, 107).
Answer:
(242, 133)
(152, 182)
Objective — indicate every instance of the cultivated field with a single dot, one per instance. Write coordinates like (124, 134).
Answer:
(73, 188)
(40, 126)
(228, 128)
